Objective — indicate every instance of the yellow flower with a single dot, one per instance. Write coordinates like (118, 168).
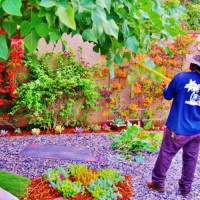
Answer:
(104, 114)
(133, 107)
(137, 88)
(112, 100)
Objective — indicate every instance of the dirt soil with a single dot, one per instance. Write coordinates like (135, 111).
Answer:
(39, 189)
(67, 130)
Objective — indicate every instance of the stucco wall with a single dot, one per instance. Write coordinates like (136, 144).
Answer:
(90, 56)
(74, 42)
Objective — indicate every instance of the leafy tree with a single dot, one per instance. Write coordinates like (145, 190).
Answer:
(110, 24)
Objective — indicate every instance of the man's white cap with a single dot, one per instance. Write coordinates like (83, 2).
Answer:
(194, 58)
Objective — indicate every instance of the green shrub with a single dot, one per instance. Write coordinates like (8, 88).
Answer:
(57, 91)
(192, 17)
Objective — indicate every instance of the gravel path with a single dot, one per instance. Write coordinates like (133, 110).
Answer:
(97, 144)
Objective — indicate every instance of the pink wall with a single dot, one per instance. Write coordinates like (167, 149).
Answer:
(74, 42)
(90, 56)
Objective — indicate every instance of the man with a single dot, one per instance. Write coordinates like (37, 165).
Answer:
(182, 128)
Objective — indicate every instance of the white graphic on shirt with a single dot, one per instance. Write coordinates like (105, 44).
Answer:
(194, 97)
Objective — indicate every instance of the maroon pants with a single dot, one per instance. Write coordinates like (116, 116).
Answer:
(169, 147)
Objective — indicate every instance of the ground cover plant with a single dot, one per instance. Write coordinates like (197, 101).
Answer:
(135, 139)
(100, 184)
(77, 182)
(14, 184)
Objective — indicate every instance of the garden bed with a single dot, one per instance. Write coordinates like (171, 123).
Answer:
(39, 189)
(67, 130)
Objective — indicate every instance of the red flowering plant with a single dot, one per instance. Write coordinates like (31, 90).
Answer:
(8, 77)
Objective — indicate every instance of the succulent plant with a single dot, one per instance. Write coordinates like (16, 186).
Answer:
(58, 129)
(17, 130)
(35, 131)
(3, 133)
(78, 130)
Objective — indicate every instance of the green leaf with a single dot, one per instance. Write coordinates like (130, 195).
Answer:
(152, 135)
(84, 6)
(148, 125)
(127, 55)
(66, 16)
(48, 3)
(132, 44)
(98, 15)
(12, 7)
(89, 35)
(50, 17)
(155, 17)
(172, 31)
(119, 59)
(31, 41)
(110, 135)
(55, 35)
(104, 4)
(125, 28)
(62, 3)
(3, 48)
(25, 28)
(63, 27)
(42, 29)
(139, 159)
(181, 31)
(98, 30)
(9, 26)
(35, 19)
(2, 12)
(111, 28)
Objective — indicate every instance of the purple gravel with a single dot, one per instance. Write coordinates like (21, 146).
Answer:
(97, 144)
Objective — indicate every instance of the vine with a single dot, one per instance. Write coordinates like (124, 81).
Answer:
(136, 95)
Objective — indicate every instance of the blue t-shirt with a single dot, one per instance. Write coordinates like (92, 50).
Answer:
(184, 116)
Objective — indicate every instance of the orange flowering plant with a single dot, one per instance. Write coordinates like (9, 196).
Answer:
(135, 95)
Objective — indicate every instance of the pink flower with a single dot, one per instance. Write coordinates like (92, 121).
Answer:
(99, 159)
(62, 176)
(3, 91)
(104, 126)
